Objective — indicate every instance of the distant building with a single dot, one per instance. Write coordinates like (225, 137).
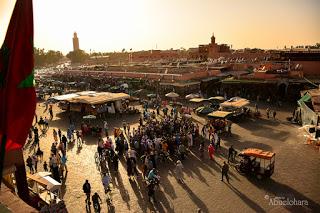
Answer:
(308, 58)
(155, 55)
(75, 40)
(210, 50)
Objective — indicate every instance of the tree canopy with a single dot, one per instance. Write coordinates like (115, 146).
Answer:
(78, 56)
(43, 58)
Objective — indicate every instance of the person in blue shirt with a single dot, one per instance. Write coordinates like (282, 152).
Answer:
(152, 175)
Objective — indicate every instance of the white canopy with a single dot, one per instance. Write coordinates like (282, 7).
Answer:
(235, 102)
(45, 180)
(125, 85)
(65, 97)
(172, 95)
(192, 95)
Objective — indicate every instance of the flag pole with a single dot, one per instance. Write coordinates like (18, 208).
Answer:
(3, 150)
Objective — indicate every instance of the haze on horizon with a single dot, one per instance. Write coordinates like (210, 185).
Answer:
(111, 25)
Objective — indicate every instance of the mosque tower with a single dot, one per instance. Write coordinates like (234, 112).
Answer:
(213, 39)
(75, 40)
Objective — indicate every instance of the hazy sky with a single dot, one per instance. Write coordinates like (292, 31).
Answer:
(110, 25)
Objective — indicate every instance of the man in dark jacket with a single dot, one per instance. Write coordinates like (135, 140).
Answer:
(224, 171)
(87, 190)
(231, 153)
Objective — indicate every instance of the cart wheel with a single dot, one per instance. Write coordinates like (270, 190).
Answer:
(238, 169)
(259, 176)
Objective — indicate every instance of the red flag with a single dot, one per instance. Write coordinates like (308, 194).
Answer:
(17, 93)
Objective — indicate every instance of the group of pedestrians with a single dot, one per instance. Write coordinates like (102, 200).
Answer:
(271, 113)
(95, 198)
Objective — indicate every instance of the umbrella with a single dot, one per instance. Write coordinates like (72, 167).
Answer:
(125, 85)
(89, 117)
(172, 95)
(115, 88)
(187, 115)
(151, 95)
(204, 110)
(218, 98)
(190, 96)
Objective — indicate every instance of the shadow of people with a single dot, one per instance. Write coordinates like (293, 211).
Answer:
(254, 206)
(195, 199)
(287, 193)
(122, 189)
(138, 191)
(162, 204)
(63, 185)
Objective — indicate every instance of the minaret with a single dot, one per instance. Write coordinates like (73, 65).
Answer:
(213, 39)
(75, 42)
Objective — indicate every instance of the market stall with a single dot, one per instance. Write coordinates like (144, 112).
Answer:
(44, 186)
(235, 105)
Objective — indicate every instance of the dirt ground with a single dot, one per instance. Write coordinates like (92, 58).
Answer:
(296, 176)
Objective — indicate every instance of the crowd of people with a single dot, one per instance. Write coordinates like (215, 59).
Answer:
(156, 140)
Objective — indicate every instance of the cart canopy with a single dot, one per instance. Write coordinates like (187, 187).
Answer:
(258, 153)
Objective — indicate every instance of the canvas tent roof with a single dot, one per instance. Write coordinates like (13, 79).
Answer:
(45, 180)
(100, 98)
(314, 95)
(65, 97)
(219, 114)
(236, 102)
(197, 100)
(305, 98)
(91, 97)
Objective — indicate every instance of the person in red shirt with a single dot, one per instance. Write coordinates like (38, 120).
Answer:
(211, 151)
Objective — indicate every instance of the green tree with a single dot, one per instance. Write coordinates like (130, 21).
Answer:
(43, 58)
(78, 56)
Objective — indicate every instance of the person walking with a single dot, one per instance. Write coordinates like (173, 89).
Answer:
(64, 141)
(69, 134)
(182, 151)
(96, 200)
(35, 162)
(45, 166)
(211, 151)
(130, 172)
(79, 138)
(51, 112)
(124, 124)
(268, 112)
(87, 190)
(63, 164)
(29, 164)
(201, 149)
(231, 153)
(224, 171)
(115, 161)
(55, 135)
(203, 130)
(179, 171)
(60, 134)
(106, 128)
(218, 142)
(274, 114)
